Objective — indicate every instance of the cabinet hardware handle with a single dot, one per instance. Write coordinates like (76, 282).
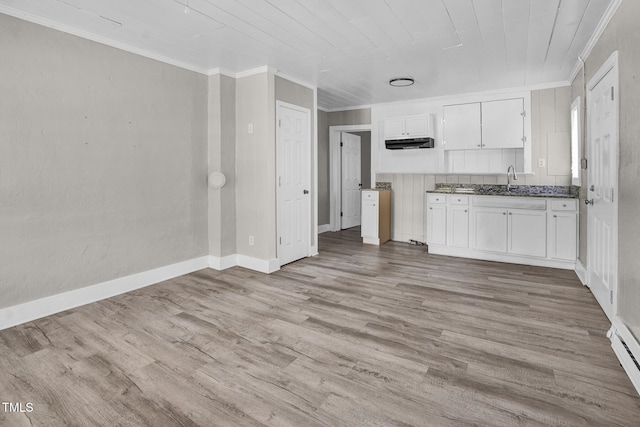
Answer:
(564, 205)
(465, 210)
(504, 213)
(510, 213)
(555, 216)
(479, 145)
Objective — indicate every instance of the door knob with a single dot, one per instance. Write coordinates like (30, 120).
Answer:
(305, 191)
(588, 202)
(592, 188)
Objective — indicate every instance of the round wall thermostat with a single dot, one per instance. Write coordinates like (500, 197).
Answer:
(217, 180)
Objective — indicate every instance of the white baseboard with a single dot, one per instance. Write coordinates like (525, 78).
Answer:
(581, 272)
(261, 265)
(324, 228)
(223, 263)
(370, 241)
(617, 334)
(32, 310)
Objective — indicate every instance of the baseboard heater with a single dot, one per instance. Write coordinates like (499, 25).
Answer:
(405, 144)
(628, 360)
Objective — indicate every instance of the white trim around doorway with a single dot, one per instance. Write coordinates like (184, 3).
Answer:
(335, 201)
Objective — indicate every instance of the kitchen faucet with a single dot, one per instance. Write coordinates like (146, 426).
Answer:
(515, 176)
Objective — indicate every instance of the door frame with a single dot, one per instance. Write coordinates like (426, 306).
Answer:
(610, 65)
(312, 217)
(335, 172)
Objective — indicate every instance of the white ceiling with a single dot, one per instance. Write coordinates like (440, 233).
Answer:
(349, 49)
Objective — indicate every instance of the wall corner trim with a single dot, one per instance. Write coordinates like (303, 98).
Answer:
(32, 310)
(602, 25)
(581, 272)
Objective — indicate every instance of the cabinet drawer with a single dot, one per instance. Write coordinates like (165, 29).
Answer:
(436, 199)
(370, 196)
(459, 200)
(564, 205)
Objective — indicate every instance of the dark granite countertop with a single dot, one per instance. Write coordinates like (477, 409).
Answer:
(570, 192)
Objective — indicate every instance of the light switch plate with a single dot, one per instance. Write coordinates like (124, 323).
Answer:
(542, 163)
(250, 128)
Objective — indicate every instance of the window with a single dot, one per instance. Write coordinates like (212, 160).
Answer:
(575, 142)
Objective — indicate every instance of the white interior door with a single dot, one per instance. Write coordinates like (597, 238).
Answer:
(603, 186)
(293, 183)
(351, 180)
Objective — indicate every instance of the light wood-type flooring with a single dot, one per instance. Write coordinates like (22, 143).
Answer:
(357, 336)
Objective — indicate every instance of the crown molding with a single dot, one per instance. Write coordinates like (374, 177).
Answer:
(255, 71)
(7, 10)
(597, 33)
(296, 80)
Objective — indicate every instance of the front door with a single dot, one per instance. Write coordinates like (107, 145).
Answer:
(293, 183)
(602, 104)
(351, 180)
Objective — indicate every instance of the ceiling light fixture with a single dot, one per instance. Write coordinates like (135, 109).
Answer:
(401, 82)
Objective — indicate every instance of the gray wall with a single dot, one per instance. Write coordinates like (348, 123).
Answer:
(324, 209)
(622, 35)
(222, 158)
(256, 166)
(325, 120)
(103, 163)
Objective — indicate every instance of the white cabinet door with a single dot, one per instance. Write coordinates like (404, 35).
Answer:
(416, 126)
(437, 224)
(406, 127)
(490, 229)
(528, 232)
(458, 226)
(369, 226)
(462, 130)
(503, 123)
(394, 128)
(563, 235)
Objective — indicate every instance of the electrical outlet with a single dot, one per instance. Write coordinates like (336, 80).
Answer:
(251, 241)
(250, 128)
(542, 163)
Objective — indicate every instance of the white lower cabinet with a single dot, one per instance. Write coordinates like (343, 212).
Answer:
(375, 225)
(490, 229)
(436, 220)
(562, 235)
(370, 218)
(458, 226)
(526, 230)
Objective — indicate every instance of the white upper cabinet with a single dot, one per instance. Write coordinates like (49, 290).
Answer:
(503, 123)
(406, 127)
(484, 125)
(462, 127)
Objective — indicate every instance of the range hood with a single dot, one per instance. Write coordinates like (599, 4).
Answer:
(404, 144)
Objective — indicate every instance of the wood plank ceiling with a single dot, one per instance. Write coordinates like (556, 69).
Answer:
(349, 49)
